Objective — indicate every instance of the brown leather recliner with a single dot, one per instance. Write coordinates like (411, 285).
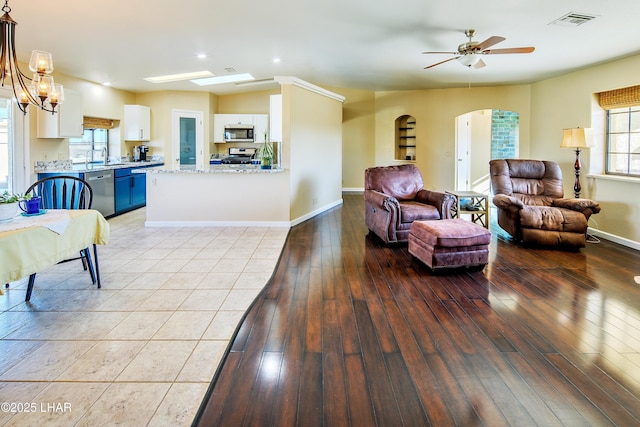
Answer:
(531, 208)
(395, 196)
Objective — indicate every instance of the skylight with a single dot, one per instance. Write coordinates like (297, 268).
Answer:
(179, 77)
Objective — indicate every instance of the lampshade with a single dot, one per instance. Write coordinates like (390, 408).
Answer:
(469, 60)
(577, 138)
(41, 62)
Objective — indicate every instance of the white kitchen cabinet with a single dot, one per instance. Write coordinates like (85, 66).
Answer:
(275, 118)
(66, 122)
(137, 123)
(217, 130)
(238, 119)
(260, 126)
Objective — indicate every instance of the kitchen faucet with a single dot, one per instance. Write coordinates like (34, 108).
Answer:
(88, 158)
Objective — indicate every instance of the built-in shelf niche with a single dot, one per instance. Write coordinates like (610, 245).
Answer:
(405, 128)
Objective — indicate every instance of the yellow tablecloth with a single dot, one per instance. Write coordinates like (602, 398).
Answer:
(30, 250)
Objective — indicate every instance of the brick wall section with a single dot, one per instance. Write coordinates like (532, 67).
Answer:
(504, 134)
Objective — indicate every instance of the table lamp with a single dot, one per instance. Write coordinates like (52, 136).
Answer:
(577, 139)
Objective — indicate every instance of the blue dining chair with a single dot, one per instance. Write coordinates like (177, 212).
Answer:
(66, 192)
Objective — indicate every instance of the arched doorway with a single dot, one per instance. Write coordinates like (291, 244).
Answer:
(483, 135)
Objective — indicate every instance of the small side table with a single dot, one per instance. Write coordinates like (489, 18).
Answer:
(479, 210)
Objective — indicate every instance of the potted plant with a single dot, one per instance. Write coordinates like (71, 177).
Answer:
(9, 205)
(266, 153)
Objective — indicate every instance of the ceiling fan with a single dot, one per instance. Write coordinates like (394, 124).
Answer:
(469, 53)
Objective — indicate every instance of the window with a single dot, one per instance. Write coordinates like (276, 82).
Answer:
(6, 145)
(92, 147)
(623, 141)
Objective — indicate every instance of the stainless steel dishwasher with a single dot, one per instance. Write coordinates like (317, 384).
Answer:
(102, 183)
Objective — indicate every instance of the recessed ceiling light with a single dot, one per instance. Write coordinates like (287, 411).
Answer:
(202, 55)
(276, 60)
(224, 79)
(106, 84)
(179, 77)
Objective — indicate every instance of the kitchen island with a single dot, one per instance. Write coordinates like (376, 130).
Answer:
(235, 195)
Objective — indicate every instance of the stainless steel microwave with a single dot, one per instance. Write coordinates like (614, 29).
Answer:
(238, 133)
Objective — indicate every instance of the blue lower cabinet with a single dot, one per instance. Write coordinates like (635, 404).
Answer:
(123, 194)
(130, 190)
(139, 190)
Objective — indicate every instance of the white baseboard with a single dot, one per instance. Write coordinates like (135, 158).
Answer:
(352, 190)
(614, 238)
(287, 224)
(316, 212)
(217, 224)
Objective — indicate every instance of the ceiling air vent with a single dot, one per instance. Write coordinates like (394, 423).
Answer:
(573, 19)
(230, 70)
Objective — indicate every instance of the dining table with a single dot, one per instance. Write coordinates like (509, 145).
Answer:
(31, 243)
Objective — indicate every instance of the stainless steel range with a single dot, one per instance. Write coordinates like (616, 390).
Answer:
(239, 156)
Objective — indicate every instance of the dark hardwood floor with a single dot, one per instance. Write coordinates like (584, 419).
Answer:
(350, 332)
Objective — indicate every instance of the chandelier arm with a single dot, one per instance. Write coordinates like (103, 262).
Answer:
(20, 82)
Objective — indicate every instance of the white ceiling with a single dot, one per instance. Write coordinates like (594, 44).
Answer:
(367, 44)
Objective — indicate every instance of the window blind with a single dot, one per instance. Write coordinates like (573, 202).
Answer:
(97, 123)
(620, 98)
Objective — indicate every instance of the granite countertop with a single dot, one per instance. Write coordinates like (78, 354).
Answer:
(216, 169)
(81, 167)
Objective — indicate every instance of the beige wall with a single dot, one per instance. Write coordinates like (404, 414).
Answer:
(435, 111)
(162, 104)
(246, 103)
(312, 149)
(215, 199)
(358, 135)
(566, 102)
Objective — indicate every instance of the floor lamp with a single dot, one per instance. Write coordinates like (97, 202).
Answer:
(577, 138)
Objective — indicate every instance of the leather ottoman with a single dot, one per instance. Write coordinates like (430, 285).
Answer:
(449, 243)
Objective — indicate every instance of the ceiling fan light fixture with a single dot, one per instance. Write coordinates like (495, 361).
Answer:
(469, 60)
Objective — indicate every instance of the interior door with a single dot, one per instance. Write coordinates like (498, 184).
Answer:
(188, 139)
(463, 152)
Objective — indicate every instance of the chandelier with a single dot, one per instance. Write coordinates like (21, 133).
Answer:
(39, 90)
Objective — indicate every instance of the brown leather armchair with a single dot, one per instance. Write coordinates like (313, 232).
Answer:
(531, 208)
(395, 196)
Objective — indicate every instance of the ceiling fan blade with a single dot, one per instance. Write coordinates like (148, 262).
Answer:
(441, 62)
(509, 50)
(489, 42)
(479, 64)
(443, 53)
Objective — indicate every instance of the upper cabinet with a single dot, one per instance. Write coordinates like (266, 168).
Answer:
(66, 122)
(275, 116)
(137, 123)
(260, 127)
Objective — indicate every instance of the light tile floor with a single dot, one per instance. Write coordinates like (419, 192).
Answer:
(143, 349)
